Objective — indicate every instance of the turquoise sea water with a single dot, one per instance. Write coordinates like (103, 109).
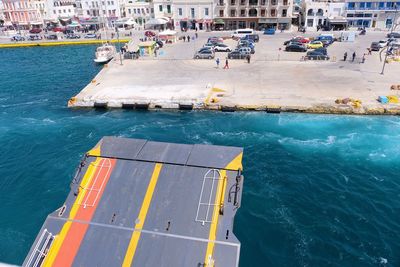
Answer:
(319, 190)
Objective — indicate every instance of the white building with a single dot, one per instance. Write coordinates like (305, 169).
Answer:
(109, 10)
(60, 9)
(140, 11)
(193, 14)
(324, 14)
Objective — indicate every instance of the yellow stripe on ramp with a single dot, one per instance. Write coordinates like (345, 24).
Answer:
(130, 253)
(235, 164)
(59, 239)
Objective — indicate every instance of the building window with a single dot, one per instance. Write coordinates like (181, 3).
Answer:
(243, 2)
(320, 12)
(55, 12)
(192, 13)
(285, 2)
(169, 9)
(362, 5)
(310, 12)
(310, 23)
(253, 2)
(180, 11)
(263, 2)
(129, 11)
(233, 2)
(284, 12)
(273, 2)
(160, 8)
(221, 13)
(243, 13)
(273, 12)
(253, 12)
(262, 12)
(233, 13)
(206, 11)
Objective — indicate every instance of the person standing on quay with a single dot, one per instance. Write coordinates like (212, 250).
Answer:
(345, 56)
(226, 64)
(354, 57)
(217, 61)
(248, 58)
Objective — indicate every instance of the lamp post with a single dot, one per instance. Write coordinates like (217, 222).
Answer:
(119, 45)
(387, 48)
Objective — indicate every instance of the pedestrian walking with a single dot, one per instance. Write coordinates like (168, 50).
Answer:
(196, 35)
(217, 61)
(369, 51)
(188, 38)
(345, 56)
(354, 57)
(226, 64)
(363, 59)
(248, 58)
(184, 38)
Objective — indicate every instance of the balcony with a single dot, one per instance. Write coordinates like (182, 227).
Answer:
(220, 4)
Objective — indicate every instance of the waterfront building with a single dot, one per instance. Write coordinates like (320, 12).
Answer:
(60, 9)
(21, 14)
(371, 14)
(108, 10)
(255, 14)
(324, 14)
(140, 11)
(193, 14)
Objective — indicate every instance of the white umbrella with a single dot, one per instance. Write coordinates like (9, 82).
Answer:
(156, 22)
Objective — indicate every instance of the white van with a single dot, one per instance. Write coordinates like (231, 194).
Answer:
(242, 33)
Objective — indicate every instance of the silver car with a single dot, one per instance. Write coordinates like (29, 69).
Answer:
(204, 54)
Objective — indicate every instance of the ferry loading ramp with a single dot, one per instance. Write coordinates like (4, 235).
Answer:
(141, 203)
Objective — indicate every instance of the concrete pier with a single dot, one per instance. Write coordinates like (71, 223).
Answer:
(274, 81)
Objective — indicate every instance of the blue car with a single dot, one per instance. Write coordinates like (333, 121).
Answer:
(269, 31)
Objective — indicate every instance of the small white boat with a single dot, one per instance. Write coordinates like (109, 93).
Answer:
(105, 53)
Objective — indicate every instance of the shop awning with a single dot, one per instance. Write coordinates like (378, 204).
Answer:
(36, 23)
(147, 44)
(167, 32)
(156, 22)
(219, 21)
(337, 20)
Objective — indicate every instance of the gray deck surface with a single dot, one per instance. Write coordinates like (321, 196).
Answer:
(172, 233)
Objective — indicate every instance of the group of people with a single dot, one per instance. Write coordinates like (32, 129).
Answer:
(217, 61)
(353, 57)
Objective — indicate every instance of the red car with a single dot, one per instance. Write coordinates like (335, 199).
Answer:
(301, 39)
(149, 34)
(57, 29)
(35, 30)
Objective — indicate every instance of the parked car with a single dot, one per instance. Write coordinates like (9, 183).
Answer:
(68, 31)
(316, 55)
(325, 39)
(269, 31)
(245, 50)
(253, 37)
(209, 45)
(17, 38)
(51, 37)
(206, 48)
(34, 37)
(298, 39)
(246, 43)
(206, 54)
(149, 34)
(375, 46)
(236, 54)
(222, 48)
(295, 48)
(393, 35)
(72, 36)
(90, 36)
(35, 30)
(322, 50)
(57, 29)
(383, 43)
(215, 40)
(315, 45)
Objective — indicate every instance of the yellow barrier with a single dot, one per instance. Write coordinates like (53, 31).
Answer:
(79, 42)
